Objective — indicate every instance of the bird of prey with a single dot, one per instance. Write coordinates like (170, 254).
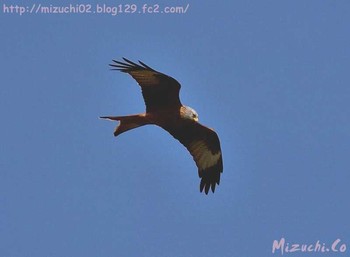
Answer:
(164, 109)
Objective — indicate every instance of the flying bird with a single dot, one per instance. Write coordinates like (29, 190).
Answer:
(164, 109)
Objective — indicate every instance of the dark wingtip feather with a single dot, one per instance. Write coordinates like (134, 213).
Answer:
(201, 186)
(213, 187)
(210, 178)
(128, 65)
(121, 66)
(130, 62)
(206, 187)
(146, 66)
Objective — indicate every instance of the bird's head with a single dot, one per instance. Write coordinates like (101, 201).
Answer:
(189, 113)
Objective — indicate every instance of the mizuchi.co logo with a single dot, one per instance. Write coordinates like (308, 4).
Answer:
(282, 247)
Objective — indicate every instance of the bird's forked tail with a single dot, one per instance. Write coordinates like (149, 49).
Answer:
(127, 122)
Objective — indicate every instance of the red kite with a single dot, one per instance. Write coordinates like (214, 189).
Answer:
(164, 109)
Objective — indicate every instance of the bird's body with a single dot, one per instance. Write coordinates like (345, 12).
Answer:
(162, 118)
(164, 109)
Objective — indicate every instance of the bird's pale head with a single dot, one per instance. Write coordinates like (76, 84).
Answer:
(189, 113)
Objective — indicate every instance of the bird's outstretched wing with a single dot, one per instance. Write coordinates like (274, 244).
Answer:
(159, 90)
(204, 145)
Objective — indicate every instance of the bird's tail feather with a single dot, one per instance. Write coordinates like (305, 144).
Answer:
(127, 122)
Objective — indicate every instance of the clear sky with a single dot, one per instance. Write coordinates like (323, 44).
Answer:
(272, 78)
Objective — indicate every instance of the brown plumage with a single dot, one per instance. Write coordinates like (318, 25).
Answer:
(164, 109)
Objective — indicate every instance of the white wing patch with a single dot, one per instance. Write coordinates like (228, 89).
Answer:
(203, 156)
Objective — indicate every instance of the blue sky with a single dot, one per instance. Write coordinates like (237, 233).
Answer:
(272, 78)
